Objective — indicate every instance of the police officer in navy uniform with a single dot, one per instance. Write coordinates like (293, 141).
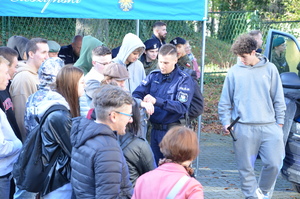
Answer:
(159, 32)
(149, 57)
(170, 90)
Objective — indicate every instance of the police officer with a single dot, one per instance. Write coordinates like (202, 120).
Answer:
(170, 90)
(183, 59)
(149, 57)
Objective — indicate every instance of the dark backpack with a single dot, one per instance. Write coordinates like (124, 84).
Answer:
(31, 169)
(196, 106)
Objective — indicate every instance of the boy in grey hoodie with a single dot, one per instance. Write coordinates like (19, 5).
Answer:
(132, 48)
(253, 91)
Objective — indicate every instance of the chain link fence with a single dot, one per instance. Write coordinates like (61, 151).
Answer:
(110, 32)
(226, 26)
(222, 29)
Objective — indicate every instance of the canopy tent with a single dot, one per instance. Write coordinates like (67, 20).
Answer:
(193, 10)
(107, 9)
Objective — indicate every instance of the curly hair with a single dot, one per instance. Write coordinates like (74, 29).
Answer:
(244, 44)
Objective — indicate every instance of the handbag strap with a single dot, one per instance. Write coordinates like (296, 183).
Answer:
(177, 187)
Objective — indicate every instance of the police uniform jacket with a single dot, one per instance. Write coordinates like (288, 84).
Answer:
(173, 93)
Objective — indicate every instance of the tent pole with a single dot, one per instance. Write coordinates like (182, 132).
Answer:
(201, 87)
(138, 27)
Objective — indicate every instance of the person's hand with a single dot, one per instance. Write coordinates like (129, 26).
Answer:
(149, 98)
(225, 130)
(148, 106)
(281, 125)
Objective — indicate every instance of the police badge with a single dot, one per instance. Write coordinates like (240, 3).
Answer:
(182, 97)
(126, 5)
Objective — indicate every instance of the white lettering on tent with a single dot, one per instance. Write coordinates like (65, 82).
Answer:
(48, 2)
(51, 1)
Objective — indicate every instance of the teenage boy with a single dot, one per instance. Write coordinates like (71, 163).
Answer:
(131, 49)
(149, 58)
(253, 91)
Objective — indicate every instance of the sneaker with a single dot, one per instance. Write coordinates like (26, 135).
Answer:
(260, 194)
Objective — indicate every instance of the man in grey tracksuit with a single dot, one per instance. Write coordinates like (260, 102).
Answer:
(252, 90)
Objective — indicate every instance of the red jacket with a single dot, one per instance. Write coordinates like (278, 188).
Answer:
(157, 184)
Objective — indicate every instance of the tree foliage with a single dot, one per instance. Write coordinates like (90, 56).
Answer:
(270, 9)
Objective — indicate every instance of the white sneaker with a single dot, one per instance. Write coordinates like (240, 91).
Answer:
(260, 194)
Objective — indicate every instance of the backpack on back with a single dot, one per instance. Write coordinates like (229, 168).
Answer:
(31, 169)
(196, 106)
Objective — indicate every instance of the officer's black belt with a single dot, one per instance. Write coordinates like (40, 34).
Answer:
(163, 127)
(5, 176)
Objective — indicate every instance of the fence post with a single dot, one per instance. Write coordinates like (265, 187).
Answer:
(3, 31)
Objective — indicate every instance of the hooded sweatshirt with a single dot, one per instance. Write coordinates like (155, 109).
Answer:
(10, 146)
(254, 93)
(24, 83)
(40, 101)
(99, 169)
(18, 43)
(136, 69)
(85, 59)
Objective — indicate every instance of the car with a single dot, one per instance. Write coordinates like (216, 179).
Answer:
(289, 73)
(290, 53)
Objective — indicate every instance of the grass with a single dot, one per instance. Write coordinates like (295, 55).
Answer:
(218, 59)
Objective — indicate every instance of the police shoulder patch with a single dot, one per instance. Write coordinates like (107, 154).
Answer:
(182, 97)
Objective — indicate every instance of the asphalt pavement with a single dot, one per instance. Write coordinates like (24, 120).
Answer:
(218, 174)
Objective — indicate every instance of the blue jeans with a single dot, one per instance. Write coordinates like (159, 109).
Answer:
(5, 187)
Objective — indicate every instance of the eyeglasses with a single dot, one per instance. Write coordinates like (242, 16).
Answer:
(129, 115)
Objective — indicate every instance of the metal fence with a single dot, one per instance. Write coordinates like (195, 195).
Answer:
(221, 25)
(226, 26)
(111, 32)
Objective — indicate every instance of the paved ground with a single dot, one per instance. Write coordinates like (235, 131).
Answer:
(218, 175)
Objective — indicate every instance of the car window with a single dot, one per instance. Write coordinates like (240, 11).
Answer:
(283, 51)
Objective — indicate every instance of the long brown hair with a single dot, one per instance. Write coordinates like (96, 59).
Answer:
(67, 85)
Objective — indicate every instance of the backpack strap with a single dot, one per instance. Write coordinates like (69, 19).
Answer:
(177, 187)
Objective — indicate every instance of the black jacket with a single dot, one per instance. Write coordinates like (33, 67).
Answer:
(66, 53)
(138, 155)
(99, 169)
(56, 136)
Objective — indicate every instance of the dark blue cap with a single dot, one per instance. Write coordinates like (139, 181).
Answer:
(177, 40)
(151, 44)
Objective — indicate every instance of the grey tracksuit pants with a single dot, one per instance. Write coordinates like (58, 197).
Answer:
(265, 140)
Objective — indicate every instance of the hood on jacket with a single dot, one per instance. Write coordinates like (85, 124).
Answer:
(49, 70)
(18, 43)
(129, 44)
(84, 129)
(22, 66)
(38, 103)
(41, 100)
(263, 60)
(85, 59)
